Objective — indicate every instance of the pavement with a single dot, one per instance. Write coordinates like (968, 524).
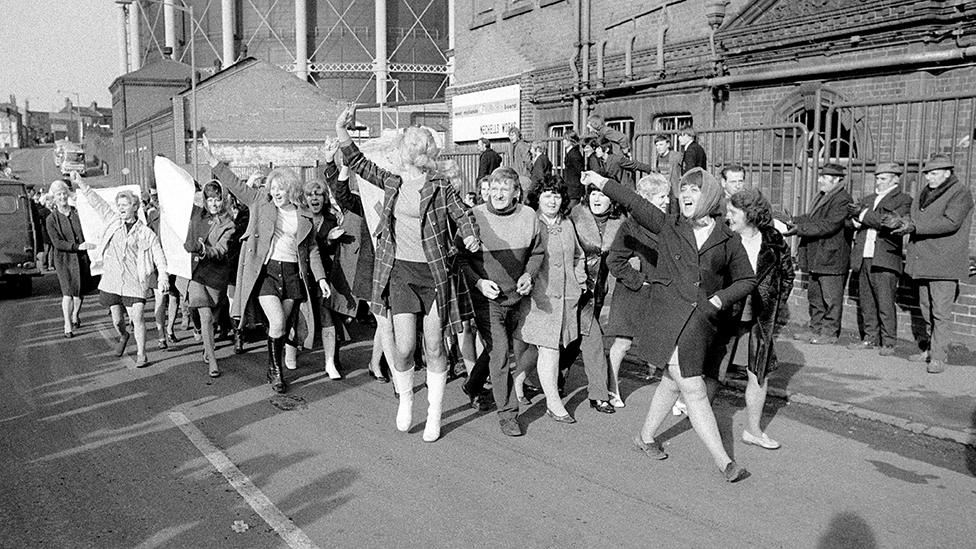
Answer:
(890, 390)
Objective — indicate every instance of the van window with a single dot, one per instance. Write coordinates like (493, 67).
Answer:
(8, 204)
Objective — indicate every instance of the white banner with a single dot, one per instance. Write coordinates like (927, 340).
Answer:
(92, 223)
(488, 113)
(176, 192)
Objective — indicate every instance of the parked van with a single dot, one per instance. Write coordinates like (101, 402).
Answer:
(17, 238)
(73, 159)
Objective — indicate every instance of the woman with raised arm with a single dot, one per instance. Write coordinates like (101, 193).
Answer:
(702, 269)
(132, 264)
(279, 259)
(207, 241)
(70, 255)
(414, 275)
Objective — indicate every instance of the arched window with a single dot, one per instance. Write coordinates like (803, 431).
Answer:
(839, 145)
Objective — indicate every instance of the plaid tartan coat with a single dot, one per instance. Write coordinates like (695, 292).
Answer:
(440, 207)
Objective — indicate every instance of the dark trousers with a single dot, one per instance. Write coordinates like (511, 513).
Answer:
(595, 364)
(496, 324)
(825, 294)
(935, 298)
(876, 303)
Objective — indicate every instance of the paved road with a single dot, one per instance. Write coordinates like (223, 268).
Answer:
(36, 166)
(92, 457)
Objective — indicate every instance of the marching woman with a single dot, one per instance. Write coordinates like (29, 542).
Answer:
(414, 275)
(327, 217)
(597, 220)
(749, 215)
(207, 241)
(550, 317)
(132, 263)
(702, 269)
(279, 259)
(631, 260)
(70, 255)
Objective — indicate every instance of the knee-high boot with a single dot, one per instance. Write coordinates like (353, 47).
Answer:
(403, 382)
(435, 397)
(238, 341)
(276, 351)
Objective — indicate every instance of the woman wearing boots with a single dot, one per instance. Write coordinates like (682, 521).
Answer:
(702, 270)
(132, 263)
(327, 217)
(279, 259)
(207, 241)
(70, 255)
(414, 273)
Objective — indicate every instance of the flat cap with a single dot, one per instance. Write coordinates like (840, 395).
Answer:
(887, 167)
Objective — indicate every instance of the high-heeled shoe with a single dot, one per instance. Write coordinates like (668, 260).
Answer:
(561, 419)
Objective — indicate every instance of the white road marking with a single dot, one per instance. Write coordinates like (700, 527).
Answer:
(293, 535)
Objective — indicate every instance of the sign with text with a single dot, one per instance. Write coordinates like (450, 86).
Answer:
(488, 113)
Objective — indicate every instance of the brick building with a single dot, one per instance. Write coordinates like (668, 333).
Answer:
(777, 85)
(253, 113)
(13, 131)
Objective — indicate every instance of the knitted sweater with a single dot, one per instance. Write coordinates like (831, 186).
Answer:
(510, 246)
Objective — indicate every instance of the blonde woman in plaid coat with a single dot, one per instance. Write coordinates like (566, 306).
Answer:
(414, 275)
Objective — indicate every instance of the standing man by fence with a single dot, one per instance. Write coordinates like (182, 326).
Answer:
(877, 260)
(488, 160)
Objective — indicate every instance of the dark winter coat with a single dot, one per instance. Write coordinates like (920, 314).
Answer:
(887, 246)
(769, 302)
(573, 166)
(825, 235)
(685, 279)
(488, 161)
(211, 265)
(693, 157)
(939, 247)
(621, 169)
(352, 273)
(72, 264)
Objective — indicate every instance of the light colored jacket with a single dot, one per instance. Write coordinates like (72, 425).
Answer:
(115, 240)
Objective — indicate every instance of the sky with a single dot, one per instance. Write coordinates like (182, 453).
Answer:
(47, 45)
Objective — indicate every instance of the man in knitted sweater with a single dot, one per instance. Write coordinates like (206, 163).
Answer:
(501, 274)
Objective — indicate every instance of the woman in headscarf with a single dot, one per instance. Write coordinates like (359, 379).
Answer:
(70, 255)
(702, 270)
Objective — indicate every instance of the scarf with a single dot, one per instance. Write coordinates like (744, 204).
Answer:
(711, 192)
(508, 210)
(928, 195)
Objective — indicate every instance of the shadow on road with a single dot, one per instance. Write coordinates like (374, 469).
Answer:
(848, 530)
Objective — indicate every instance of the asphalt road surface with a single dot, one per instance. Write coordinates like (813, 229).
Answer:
(96, 453)
(36, 166)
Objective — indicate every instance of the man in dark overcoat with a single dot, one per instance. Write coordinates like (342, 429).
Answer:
(825, 254)
(488, 160)
(877, 260)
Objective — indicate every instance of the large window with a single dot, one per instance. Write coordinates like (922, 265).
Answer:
(556, 151)
(673, 122)
(839, 145)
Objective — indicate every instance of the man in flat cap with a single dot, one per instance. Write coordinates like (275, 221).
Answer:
(877, 260)
(938, 253)
(825, 255)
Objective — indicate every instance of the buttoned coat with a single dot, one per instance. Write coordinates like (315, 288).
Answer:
(213, 268)
(72, 265)
(488, 161)
(440, 205)
(549, 315)
(632, 292)
(825, 235)
(887, 246)
(693, 156)
(596, 246)
(257, 245)
(686, 277)
(939, 247)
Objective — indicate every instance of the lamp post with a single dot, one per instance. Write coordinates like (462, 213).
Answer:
(75, 113)
(186, 8)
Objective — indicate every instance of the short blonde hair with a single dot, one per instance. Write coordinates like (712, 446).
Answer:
(289, 180)
(57, 186)
(416, 147)
(652, 184)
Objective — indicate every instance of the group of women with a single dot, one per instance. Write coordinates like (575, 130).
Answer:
(682, 278)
